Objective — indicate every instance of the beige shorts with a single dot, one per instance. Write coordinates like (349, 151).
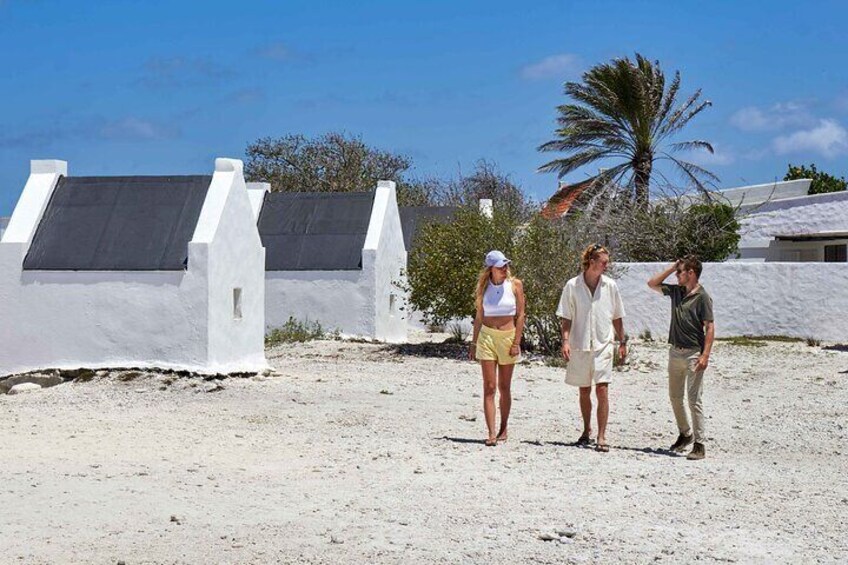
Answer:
(494, 345)
(587, 368)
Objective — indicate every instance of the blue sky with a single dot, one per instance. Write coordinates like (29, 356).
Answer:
(154, 87)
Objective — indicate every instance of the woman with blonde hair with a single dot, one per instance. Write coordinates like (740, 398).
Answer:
(496, 342)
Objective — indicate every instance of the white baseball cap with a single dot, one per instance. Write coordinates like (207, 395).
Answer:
(497, 259)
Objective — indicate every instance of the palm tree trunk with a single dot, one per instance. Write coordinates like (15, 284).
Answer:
(642, 180)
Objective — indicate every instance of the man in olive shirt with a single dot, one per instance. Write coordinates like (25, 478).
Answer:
(691, 337)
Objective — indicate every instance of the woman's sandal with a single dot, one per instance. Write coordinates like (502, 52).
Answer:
(602, 447)
(584, 441)
(491, 442)
(502, 438)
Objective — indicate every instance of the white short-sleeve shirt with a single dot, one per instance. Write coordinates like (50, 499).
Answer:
(591, 316)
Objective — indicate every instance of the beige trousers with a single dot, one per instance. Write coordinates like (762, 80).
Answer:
(681, 376)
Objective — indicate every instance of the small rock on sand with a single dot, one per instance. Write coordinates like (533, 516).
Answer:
(24, 387)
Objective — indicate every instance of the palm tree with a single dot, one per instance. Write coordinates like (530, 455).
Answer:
(623, 110)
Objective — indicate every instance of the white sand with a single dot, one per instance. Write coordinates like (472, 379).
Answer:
(316, 465)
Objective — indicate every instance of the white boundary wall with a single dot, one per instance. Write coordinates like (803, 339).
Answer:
(791, 299)
(169, 319)
(356, 303)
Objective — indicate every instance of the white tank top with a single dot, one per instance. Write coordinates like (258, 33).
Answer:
(499, 299)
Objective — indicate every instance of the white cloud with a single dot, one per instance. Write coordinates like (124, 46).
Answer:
(174, 72)
(135, 129)
(276, 52)
(776, 117)
(564, 65)
(828, 138)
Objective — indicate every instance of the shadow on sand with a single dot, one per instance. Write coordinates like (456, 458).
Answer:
(464, 440)
(647, 450)
(445, 350)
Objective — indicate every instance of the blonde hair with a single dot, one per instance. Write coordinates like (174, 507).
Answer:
(592, 252)
(483, 280)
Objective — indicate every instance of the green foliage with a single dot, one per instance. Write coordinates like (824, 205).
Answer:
(822, 182)
(447, 258)
(743, 341)
(669, 230)
(625, 114)
(544, 260)
(334, 162)
(760, 340)
(710, 231)
(445, 264)
(295, 331)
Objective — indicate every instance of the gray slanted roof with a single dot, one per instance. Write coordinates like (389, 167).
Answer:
(315, 231)
(413, 217)
(118, 224)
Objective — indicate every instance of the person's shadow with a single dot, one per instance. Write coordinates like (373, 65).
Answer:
(646, 450)
(464, 440)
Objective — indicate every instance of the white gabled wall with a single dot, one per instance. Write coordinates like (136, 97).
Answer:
(257, 191)
(33, 201)
(385, 249)
(236, 263)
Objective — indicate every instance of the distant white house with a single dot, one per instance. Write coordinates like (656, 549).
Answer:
(132, 271)
(781, 222)
(334, 258)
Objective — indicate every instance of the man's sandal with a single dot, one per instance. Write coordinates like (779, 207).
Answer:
(602, 448)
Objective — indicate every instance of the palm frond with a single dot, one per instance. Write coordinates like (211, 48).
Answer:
(694, 144)
(694, 173)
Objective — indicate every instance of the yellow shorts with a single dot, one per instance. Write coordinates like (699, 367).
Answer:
(493, 345)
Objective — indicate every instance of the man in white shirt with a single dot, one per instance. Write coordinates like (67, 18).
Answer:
(591, 315)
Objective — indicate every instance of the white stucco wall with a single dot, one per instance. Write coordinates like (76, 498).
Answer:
(256, 191)
(384, 250)
(356, 303)
(235, 260)
(67, 319)
(811, 214)
(791, 299)
(759, 193)
(338, 300)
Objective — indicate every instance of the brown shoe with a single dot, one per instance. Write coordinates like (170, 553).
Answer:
(697, 452)
(681, 443)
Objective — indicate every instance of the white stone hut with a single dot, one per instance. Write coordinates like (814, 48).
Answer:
(135, 271)
(335, 258)
(782, 223)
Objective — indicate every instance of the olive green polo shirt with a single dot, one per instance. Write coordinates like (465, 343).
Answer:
(688, 314)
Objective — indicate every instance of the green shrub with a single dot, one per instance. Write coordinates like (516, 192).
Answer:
(295, 331)
(822, 182)
(672, 228)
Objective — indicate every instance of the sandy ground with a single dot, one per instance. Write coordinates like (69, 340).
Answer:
(353, 453)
